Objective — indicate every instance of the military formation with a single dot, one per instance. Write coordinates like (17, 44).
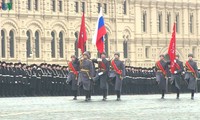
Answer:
(83, 73)
(82, 76)
(189, 74)
(22, 80)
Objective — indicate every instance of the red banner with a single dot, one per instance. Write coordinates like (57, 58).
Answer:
(161, 68)
(82, 35)
(177, 66)
(102, 65)
(115, 68)
(71, 67)
(172, 49)
(191, 69)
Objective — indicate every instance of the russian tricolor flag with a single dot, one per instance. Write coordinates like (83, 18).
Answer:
(100, 31)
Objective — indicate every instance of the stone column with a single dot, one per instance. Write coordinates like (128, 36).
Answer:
(47, 47)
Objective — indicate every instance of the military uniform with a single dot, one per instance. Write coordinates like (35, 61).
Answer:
(161, 74)
(191, 75)
(103, 73)
(118, 72)
(176, 77)
(73, 76)
(85, 75)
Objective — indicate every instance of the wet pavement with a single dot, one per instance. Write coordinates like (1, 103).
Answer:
(132, 107)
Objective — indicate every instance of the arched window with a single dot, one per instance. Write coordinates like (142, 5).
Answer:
(3, 44)
(144, 21)
(76, 44)
(61, 49)
(11, 35)
(29, 4)
(36, 5)
(28, 44)
(125, 48)
(53, 52)
(37, 44)
(125, 7)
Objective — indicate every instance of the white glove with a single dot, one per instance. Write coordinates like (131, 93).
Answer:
(99, 59)
(175, 72)
(101, 73)
(175, 61)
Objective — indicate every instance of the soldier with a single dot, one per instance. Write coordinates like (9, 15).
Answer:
(73, 75)
(191, 74)
(29, 78)
(93, 75)
(161, 74)
(1, 79)
(49, 79)
(55, 79)
(24, 79)
(118, 73)
(177, 75)
(104, 68)
(33, 82)
(85, 74)
(4, 76)
(43, 79)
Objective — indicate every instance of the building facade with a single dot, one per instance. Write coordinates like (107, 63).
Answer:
(36, 31)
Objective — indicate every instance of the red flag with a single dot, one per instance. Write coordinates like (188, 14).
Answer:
(172, 49)
(82, 35)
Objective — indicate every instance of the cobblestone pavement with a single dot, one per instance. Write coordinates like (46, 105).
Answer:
(134, 107)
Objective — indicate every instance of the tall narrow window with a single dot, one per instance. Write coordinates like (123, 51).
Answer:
(28, 44)
(76, 7)
(3, 44)
(83, 6)
(11, 35)
(147, 52)
(99, 7)
(125, 48)
(36, 5)
(159, 22)
(105, 8)
(144, 21)
(191, 23)
(76, 44)
(37, 44)
(60, 6)
(168, 22)
(177, 23)
(53, 5)
(106, 43)
(29, 4)
(125, 7)
(194, 51)
(61, 43)
(53, 52)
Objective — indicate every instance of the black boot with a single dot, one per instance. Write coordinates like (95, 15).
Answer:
(163, 94)
(192, 94)
(75, 95)
(104, 95)
(177, 94)
(118, 96)
(87, 95)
